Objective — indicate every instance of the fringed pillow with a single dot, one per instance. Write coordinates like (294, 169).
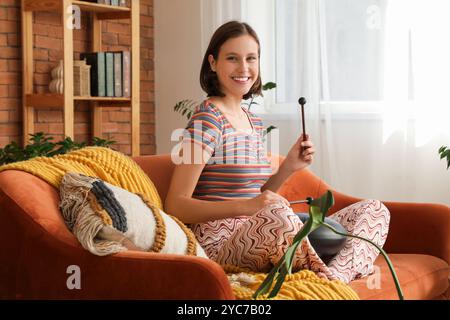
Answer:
(107, 219)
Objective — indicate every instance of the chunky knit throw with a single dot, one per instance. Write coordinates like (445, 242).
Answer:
(106, 164)
(301, 285)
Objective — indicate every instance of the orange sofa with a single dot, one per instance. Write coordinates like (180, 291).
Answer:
(38, 250)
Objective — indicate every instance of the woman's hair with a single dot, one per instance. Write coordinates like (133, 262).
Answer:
(208, 78)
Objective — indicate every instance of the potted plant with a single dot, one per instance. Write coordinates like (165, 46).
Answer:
(317, 212)
(41, 145)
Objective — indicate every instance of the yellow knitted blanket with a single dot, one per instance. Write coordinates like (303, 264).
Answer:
(301, 285)
(109, 165)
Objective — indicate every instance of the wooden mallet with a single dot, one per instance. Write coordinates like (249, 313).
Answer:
(302, 102)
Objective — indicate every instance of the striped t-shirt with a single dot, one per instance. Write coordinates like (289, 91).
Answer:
(237, 168)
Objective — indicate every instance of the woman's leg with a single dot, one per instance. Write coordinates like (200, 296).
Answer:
(368, 219)
(260, 242)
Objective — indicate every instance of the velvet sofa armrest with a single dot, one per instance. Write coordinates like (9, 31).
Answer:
(45, 273)
(141, 275)
(422, 228)
(41, 259)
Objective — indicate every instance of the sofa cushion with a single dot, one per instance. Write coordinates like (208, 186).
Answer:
(107, 219)
(421, 277)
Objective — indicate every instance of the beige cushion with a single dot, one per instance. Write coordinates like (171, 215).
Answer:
(107, 219)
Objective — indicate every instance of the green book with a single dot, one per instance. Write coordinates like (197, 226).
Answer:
(109, 57)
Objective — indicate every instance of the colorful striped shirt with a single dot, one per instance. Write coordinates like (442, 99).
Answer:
(237, 167)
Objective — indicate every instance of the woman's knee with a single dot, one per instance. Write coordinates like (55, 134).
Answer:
(378, 209)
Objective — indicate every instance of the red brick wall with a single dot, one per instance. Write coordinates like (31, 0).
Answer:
(47, 52)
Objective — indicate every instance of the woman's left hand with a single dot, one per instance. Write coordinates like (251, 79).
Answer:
(301, 155)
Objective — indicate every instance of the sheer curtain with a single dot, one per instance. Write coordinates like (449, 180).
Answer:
(215, 13)
(377, 99)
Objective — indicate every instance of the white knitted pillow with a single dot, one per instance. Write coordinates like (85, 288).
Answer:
(107, 219)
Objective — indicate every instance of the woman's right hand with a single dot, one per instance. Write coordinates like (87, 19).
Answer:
(266, 198)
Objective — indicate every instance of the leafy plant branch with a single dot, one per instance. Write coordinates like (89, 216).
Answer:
(42, 145)
(317, 212)
(445, 153)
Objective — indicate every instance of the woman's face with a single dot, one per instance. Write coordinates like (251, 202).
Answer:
(237, 65)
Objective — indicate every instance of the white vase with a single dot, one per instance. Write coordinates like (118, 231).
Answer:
(58, 71)
(57, 83)
(56, 86)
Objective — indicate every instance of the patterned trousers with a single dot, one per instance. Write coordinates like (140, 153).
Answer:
(260, 242)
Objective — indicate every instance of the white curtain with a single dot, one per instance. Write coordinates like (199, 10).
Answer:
(301, 71)
(378, 103)
(215, 13)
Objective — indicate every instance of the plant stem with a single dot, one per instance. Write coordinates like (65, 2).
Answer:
(391, 268)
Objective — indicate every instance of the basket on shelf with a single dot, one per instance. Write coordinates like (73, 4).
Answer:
(81, 79)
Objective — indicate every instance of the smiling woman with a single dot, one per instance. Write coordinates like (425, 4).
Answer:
(229, 194)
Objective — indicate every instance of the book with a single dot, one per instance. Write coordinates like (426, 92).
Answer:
(98, 76)
(126, 74)
(114, 2)
(118, 74)
(109, 58)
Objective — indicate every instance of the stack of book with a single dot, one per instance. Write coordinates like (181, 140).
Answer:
(110, 73)
(122, 3)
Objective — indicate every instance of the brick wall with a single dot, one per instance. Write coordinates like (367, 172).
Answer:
(47, 52)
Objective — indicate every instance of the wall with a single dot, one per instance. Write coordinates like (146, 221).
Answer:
(47, 52)
(178, 56)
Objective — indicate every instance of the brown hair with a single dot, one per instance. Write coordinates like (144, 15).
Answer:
(208, 78)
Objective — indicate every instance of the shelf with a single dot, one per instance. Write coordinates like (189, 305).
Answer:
(105, 99)
(103, 11)
(66, 101)
(55, 100)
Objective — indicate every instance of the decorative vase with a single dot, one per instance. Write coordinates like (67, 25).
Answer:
(58, 71)
(325, 242)
(56, 86)
(57, 83)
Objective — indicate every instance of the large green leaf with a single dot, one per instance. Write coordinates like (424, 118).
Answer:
(317, 212)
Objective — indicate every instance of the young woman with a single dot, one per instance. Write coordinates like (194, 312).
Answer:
(228, 193)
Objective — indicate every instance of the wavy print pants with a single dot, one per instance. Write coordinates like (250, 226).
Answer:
(261, 241)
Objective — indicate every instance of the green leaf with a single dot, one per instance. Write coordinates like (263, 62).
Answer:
(186, 107)
(269, 86)
(280, 279)
(445, 153)
(324, 203)
(267, 283)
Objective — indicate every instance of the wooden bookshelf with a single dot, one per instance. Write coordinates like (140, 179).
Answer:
(66, 100)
